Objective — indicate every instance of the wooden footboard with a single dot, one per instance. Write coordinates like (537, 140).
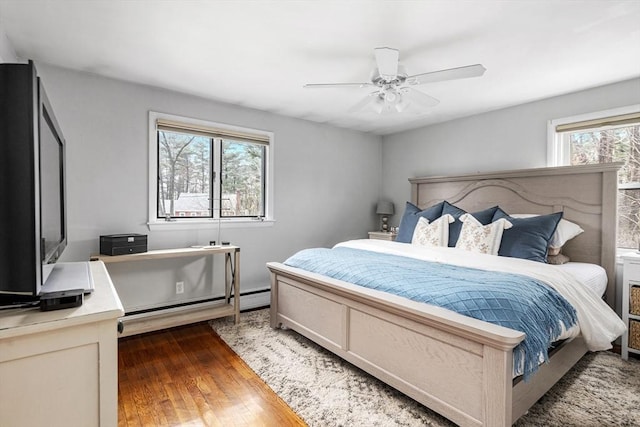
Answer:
(457, 366)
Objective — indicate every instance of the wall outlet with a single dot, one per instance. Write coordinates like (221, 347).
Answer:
(179, 287)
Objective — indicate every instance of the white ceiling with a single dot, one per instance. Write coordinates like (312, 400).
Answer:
(260, 53)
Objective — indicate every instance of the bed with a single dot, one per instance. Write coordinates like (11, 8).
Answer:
(458, 366)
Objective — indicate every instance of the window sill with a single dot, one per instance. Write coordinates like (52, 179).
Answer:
(620, 252)
(207, 224)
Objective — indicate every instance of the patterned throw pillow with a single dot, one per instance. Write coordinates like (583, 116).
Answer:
(484, 239)
(434, 234)
(485, 217)
(410, 218)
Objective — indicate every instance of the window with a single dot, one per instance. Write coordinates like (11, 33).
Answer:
(611, 136)
(202, 171)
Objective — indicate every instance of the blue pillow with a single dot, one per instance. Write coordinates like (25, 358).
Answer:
(485, 217)
(410, 218)
(529, 237)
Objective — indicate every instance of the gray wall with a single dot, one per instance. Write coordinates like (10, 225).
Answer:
(7, 54)
(327, 180)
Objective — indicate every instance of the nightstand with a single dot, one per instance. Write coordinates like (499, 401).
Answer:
(382, 235)
(631, 311)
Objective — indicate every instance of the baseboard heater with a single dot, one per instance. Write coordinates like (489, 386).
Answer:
(148, 320)
(200, 301)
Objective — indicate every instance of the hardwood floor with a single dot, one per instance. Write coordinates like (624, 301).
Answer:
(189, 376)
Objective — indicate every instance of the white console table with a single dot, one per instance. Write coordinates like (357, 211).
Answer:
(191, 313)
(60, 368)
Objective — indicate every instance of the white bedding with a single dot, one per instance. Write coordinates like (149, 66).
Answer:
(592, 276)
(597, 322)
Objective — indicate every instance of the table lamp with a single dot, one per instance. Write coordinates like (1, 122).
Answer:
(385, 209)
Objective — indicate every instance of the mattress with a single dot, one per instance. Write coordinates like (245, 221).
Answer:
(592, 276)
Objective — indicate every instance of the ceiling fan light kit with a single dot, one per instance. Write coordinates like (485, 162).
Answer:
(390, 100)
(393, 92)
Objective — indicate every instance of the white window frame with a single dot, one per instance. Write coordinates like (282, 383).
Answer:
(186, 223)
(558, 153)
(558, 150)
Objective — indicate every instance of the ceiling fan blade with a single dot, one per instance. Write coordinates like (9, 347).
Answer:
(330, 85)
(476, 70)
(418, 98)
(364, 103)
(387, 60)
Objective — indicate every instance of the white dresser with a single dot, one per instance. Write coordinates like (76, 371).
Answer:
(60, 368)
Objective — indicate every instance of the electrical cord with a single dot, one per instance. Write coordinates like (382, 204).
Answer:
(20, 305)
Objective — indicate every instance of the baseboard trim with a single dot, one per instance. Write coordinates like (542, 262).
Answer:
(255, 299)
(178, 315)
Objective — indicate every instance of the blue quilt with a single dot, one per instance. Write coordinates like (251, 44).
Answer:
(511, 300)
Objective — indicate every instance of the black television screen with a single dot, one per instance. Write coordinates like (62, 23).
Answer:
(51, 190)
(52, 187)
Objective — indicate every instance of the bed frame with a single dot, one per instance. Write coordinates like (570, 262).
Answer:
(458, 366)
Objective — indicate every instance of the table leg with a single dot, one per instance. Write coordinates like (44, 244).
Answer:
(236, 285)
(227, 279)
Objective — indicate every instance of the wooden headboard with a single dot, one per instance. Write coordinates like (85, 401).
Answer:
(586, 194)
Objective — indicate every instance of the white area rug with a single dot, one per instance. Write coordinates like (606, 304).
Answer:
(601, 390)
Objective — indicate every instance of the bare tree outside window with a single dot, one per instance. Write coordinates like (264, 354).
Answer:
(620, 144)
(242, 183)
(184, 171)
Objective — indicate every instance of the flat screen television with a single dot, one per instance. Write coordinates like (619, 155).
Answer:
(33, 232)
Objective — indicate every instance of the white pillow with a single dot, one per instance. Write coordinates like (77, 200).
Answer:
(434, 234)
(565, 231)
(484, 239)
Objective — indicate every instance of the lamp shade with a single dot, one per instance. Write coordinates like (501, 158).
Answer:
(384, 208)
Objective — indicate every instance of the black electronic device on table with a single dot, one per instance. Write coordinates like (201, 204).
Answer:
(123, 244)
(62, 299)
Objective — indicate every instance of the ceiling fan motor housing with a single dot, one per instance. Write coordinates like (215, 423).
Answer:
(378, 80)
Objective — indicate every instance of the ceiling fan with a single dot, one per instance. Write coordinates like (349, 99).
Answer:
(393, 91)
